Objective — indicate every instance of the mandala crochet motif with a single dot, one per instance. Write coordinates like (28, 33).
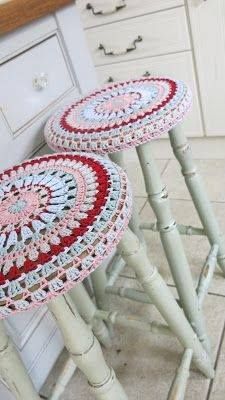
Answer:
(60, 216)
(120, 116)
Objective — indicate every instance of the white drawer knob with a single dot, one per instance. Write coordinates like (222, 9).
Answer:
(40, 82)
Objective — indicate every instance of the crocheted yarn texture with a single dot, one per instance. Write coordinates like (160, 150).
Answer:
(60, 216)
(119, 116)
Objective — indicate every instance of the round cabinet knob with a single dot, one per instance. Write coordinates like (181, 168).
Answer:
(40, 82)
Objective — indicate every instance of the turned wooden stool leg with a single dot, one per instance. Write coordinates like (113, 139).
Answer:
(12, 370)
(153, 284)
(86, 351)
(183, 153)
(87, 310)
(134, 223)
(171, 241)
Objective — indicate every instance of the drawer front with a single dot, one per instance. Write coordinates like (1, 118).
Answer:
(151, 35)
(38, 77)
(98, 12)
(179, 66)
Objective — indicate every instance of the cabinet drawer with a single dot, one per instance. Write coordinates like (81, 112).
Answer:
(178, 66)
(160, 33)
(98, 12)
(31, 82)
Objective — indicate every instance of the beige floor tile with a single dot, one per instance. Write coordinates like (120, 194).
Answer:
(145, 363)
(135, 174)
(196, 247)
(217, 391)
(212, 171)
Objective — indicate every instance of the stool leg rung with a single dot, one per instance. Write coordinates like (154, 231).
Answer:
(12, 370)
(85, 350)
(183, 229)
(132, 321)
(87, 308)
(178, 387)
(129, 293)
(183, 153)
(172, 243)
(153, 284)
(115, 270)
(63, 379)
(207, 274)
(134, 223)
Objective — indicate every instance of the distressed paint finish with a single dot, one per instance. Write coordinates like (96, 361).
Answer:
(183, 153)
(207, 274)
(171, 241)
(136, 257)
(12, 370)
(87, 310)
(86, 351)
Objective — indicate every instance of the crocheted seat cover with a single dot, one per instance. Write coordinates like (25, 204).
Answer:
(60, 216)
(119, 116)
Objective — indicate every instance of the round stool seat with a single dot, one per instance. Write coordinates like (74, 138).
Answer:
(60, 216)
(119, 116)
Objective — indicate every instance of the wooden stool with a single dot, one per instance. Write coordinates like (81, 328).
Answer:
(131, 114)
(61, 216)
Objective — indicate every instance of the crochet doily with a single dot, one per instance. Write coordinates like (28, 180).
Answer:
(120, 116)
(60, 216)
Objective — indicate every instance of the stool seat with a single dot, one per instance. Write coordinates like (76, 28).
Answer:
(60, 215)
(119, 116)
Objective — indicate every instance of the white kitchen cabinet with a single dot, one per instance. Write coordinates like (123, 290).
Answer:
(169, 30)
(207, 19)
(42, 66)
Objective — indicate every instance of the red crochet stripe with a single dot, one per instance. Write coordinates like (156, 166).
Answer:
(66, 126)
(101, 197)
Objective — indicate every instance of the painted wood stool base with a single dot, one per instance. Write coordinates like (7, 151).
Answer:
(12, 370)
(134, 224)
(183, 153)
(86, 351)
(87, 310)
(136, 257)
(171, 241)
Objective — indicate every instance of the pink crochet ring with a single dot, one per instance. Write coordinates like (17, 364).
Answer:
(120, 116)
(60, 216)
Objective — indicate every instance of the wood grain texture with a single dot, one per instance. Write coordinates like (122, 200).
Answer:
(16, 13)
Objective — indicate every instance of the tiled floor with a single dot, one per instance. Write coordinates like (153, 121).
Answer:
(144, 363)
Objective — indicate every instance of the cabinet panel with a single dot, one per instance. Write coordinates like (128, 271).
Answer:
(29, 83)
(179, 66)
(161, 33)
(208, 28)
(100, 12)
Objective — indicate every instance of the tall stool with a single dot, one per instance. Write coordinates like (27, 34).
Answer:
(61, 215)
(131, 114)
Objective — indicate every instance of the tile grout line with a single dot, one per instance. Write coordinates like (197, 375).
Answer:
(165, 167)
(216, 363)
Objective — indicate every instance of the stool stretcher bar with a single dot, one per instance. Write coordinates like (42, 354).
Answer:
(183, 229)
(132, 321)
(93, 315)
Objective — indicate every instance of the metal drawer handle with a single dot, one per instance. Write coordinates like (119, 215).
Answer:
(111, 79)
(89, 6)
(146, 74)
(113, 53)
(40, 82)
